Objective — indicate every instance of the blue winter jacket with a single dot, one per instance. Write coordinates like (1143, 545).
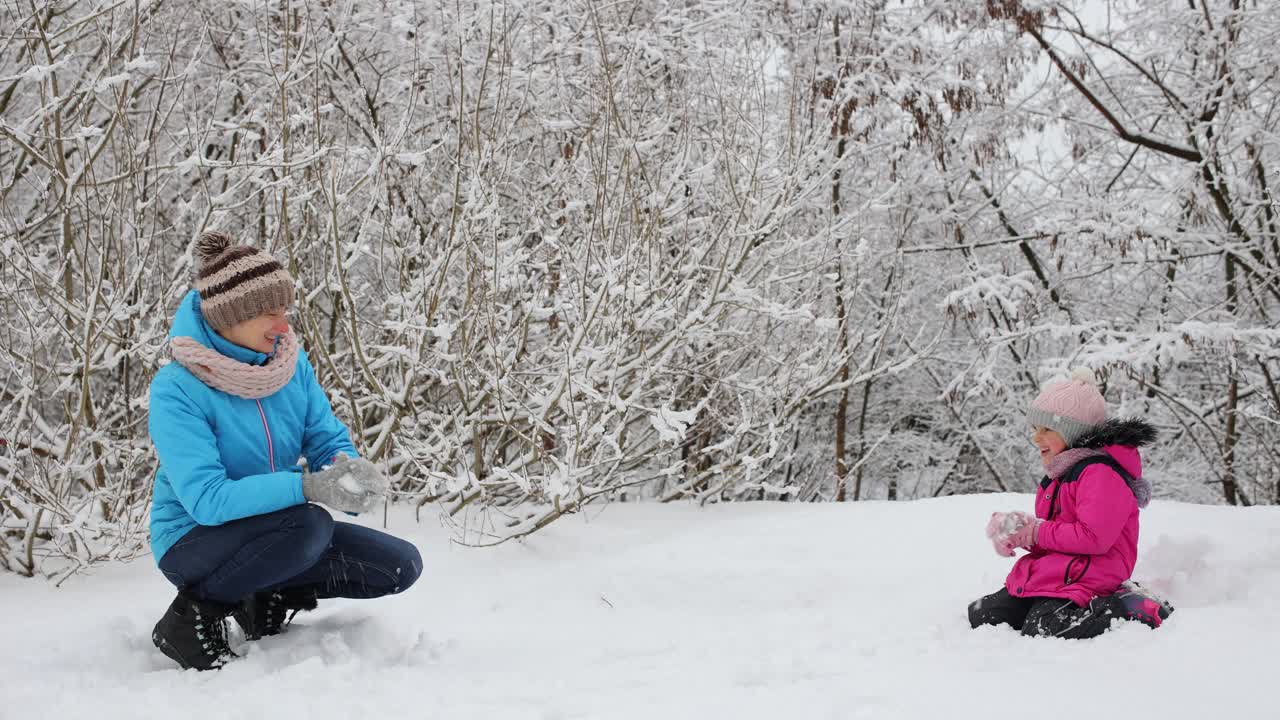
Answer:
(223, 457)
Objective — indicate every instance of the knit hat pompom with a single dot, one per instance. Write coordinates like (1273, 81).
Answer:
(210, 245)
(1071, 407)
(1084, 375)
(237, 282)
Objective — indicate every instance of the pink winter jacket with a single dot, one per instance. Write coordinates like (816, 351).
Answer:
(1088, 542)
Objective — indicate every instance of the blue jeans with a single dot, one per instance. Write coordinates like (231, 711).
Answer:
(298, 547)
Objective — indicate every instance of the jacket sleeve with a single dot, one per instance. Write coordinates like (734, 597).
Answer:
(324, 435)
(188, 452)
(1103, 505)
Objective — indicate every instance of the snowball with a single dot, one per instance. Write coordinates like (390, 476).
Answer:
(350, 484)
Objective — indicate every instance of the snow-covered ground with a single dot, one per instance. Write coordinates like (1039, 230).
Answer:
(644, 611)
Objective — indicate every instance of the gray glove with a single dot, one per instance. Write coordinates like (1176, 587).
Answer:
(349, 485)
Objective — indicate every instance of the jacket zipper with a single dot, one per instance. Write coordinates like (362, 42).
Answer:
(1066, 576)
(271, 452)
(1053, 501)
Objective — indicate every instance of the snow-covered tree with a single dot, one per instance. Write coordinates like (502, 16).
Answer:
(554, 253)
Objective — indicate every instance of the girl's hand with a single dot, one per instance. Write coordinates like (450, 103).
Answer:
(1026, 534)
(1009, 530)
(997, 531)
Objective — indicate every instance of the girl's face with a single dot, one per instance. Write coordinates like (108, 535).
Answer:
(1048, 441)
(259, 333)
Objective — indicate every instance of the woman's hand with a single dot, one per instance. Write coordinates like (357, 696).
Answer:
(349, 485)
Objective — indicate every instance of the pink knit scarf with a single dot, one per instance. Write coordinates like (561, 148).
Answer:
(232, 376)
(1063, 461)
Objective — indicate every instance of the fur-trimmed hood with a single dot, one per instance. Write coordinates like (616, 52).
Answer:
(1129, 432)
(1119, 438)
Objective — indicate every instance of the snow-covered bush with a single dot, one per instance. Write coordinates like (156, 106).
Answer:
(551, 253)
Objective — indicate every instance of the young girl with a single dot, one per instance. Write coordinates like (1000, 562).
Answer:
(231, 525)
(1083, 538)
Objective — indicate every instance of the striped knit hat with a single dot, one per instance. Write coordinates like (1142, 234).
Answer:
(237, 282)
(1071, 408)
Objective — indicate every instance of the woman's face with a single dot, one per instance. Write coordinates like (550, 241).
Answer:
(259, 333)
(1049, 442)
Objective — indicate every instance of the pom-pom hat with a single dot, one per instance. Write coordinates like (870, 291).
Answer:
(1071, 408)
(238, 282)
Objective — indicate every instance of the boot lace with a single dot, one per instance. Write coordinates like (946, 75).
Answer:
(212, 634)
(278, 608)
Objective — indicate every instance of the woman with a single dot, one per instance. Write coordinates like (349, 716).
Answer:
(232, 520)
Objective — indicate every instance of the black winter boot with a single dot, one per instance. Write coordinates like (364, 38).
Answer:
(192, 633)
(268, 612)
